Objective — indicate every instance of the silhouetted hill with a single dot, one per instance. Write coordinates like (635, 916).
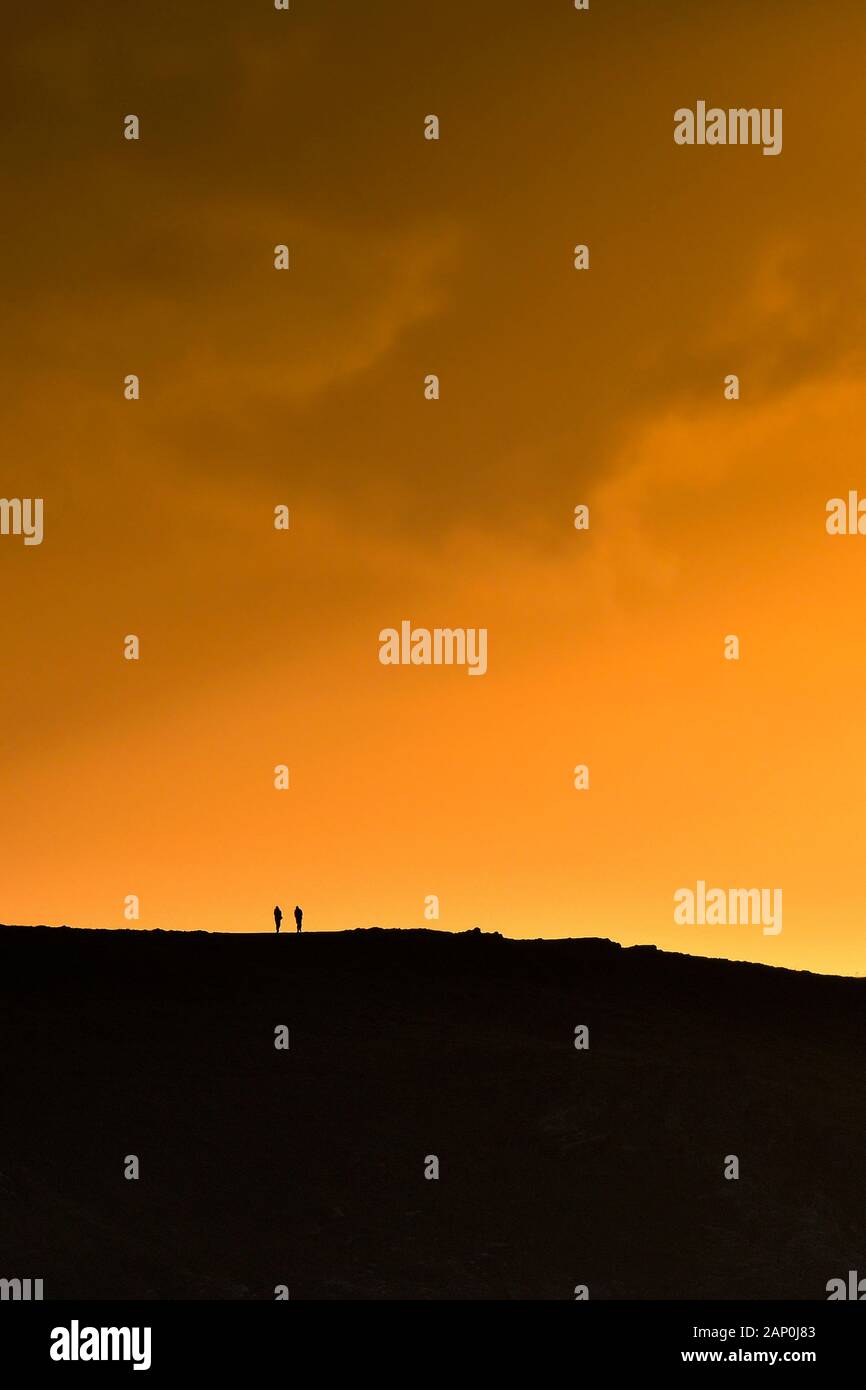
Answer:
(306, 1168)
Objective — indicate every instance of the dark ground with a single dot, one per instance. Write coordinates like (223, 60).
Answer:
(305, 1167)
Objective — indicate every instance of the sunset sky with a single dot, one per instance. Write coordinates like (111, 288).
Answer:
(558, 387)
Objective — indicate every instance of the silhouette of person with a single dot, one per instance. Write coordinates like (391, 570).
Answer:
(278, 917)
(299, 917)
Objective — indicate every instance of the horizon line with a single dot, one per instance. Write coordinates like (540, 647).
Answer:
(492, 934)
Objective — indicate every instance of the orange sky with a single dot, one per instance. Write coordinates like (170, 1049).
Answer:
(558, 387)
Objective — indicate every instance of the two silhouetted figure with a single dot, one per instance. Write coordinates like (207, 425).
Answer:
(278, 917)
